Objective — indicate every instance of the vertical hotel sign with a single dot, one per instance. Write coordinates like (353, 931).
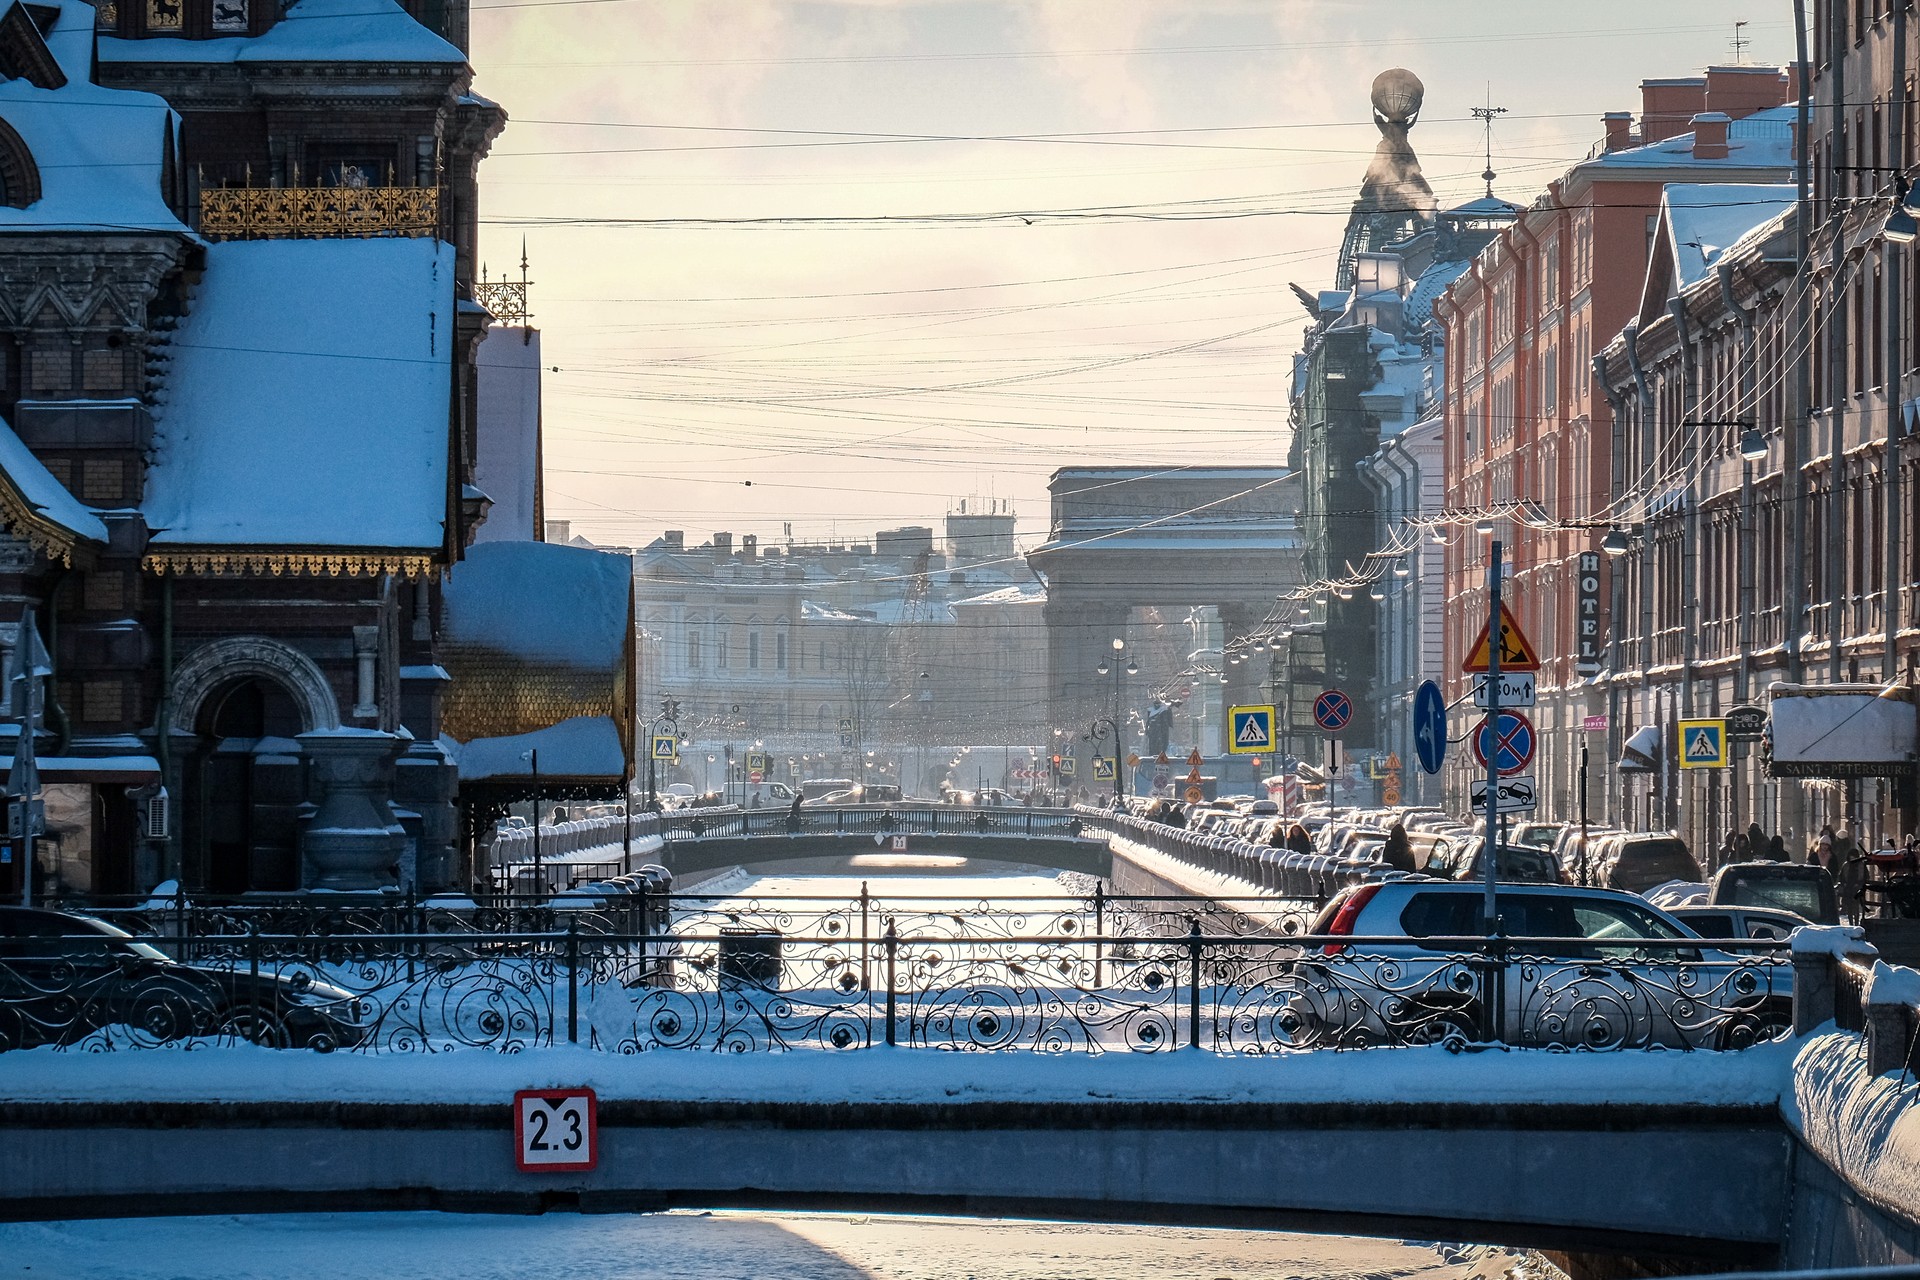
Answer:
(1587, 614)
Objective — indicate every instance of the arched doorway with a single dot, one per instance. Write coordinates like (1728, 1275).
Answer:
(246, 783)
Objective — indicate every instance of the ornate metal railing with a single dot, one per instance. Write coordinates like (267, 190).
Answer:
(747, 987)
(266, 213)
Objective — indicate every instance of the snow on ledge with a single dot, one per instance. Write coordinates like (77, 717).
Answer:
(1891, 984)
(1837, 940)
(1753, 1077)
(1866, 1128)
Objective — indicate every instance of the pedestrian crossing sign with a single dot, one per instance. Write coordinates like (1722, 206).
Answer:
(666, 747)
(1103, 768)
(1252, 730)
(1703, 744)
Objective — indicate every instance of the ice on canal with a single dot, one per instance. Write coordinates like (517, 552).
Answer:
(706, 1246)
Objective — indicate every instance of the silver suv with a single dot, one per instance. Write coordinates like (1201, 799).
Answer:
(1591, 968)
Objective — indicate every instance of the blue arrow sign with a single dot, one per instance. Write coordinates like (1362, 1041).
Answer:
(1430, 727)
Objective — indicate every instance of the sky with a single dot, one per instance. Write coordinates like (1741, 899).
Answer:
(840, 265)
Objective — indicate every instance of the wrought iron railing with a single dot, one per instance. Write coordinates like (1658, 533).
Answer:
(268, 213)
(747, 987)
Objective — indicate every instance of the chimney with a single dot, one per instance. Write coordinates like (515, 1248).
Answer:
(676, 540)
(1667, 105)
(1619, 126)
(1741, 91)
(722, 546)
(1710, 135)
(749, 546)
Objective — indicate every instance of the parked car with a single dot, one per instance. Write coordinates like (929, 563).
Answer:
(1512, 863)
(1803, 889)
(1762, 924)
(1537, 835)
(64, 977)
(1637, 861)
(1624, 976)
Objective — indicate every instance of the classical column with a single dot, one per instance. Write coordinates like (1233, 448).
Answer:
(366, 648)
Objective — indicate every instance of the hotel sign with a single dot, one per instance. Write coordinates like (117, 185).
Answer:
(1586, 624)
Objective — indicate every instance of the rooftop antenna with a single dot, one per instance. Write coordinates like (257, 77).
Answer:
(1485, 115)
(1740, 43)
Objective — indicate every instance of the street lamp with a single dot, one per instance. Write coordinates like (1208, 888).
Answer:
(1114, 722)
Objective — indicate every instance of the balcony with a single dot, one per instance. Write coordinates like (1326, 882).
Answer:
(282, 213)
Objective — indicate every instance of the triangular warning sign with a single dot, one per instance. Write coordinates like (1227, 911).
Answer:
(1253, 732)
(1703, 744)
(1516, 651)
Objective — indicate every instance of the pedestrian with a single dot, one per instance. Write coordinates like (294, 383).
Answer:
(1821, 855)
(1756, 840)
(1298, 840)
(1730, 848)
(1776, 849)
(1397, 852)
(1845, 849)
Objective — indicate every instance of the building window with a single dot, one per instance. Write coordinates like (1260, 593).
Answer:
(753, 650)
(722, 641)
(780, 651)
(693, 649)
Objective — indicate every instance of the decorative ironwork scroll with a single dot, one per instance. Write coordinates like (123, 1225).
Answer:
(270, 213)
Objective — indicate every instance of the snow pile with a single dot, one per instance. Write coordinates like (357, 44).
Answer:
(1866, 1128)
(1887, 984)
(307, 402)
(543, 602)
(1837, 940)
(1752, 1077)
(99, 151)
(1677, 893)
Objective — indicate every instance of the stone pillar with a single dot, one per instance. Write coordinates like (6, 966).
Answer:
(425, 781)
(353, 840)
(366, 651)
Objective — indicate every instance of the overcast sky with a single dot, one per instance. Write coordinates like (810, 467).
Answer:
(842, 264)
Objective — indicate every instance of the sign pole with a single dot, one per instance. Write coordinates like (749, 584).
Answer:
(1489, 853)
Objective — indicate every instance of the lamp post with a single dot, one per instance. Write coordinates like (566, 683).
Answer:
(1112, 666)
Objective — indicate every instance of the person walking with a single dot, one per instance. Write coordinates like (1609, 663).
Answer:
(1298, 840)
(1397, 852)
(1776, 849)
(1756, 840)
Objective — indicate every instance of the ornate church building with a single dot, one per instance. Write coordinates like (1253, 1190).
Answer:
(237, 440)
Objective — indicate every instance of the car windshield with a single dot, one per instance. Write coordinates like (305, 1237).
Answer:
(1800, 895)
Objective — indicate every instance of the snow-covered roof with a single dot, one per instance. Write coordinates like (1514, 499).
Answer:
(1031, 593)
(311, 31)
(99, 152)
(542, 602)
(1432, 283)
(585, 747)
(306, 403)
(1703, 220)
(1483, 207)
(1761, 140)
(37, 507)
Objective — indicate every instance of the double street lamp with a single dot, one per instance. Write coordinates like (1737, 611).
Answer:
(1113, 724)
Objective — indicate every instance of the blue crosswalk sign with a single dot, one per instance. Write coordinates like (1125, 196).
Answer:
(1251, 729)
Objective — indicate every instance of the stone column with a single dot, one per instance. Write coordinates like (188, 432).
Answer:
(366, 651)
(353, 840)
(425, 781)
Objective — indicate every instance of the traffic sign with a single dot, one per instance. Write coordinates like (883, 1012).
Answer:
(756, 762)
(1390, 793)
(1195, 795)
(1103, 768)
(1430, 726)
(1252, 730)
(846, 739)
(1516, 689)
(846, 724)
(1133, 761)
(1516, 651)
(1333, 711)
(665, 747)
(1512, 795)
(1066, 766)
(1194, 758)
(555, 1130)
(1745, 723)
(1509, 744)
(1703, 744)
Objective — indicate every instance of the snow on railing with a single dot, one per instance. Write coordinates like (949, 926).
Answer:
(1838, 977)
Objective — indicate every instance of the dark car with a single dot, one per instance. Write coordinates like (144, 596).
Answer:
(1637, 862)
(1523, 864)
(1802, 889)
(64, 977)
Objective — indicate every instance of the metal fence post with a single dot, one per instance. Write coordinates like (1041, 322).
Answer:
(1194, 945)
(253, 957)
(1099, 927)
(573, 982)
(865, 981)
(893, 948)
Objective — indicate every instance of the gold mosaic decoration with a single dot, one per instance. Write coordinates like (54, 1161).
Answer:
(25, 521)
(269, 213)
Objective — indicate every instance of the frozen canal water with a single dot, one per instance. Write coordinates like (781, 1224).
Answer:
(698, 1246)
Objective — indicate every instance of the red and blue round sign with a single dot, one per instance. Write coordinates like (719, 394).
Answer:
(1508, 745)
(1333, 711)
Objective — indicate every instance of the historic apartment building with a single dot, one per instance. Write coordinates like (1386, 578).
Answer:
(1530, 439)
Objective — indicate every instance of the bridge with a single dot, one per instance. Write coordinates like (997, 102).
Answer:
(1139, 1057)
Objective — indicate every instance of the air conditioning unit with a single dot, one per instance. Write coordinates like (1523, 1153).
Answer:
(159, 816)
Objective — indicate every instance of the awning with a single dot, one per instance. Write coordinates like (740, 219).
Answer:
(130, 771)
(1640, 753)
